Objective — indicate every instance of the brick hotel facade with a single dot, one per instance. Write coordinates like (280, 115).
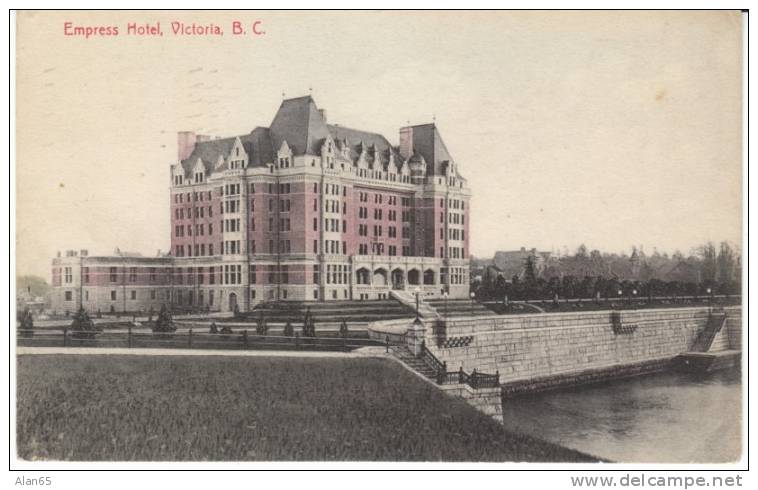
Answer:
(302, 210)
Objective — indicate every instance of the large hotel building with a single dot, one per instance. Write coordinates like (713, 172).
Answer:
(303, 210)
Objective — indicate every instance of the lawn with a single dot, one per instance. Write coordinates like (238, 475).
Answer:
(167, 408)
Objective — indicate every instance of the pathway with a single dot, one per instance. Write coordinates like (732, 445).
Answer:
(361, 352)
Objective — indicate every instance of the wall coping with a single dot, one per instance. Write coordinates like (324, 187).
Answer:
(576, 313)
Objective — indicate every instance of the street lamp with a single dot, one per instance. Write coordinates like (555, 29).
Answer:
(710, 300)
(444, 295)
(620, 298)
(417, 291)
(473, 295)
(634, 294)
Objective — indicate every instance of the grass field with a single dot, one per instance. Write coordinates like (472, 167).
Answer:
(132, 408)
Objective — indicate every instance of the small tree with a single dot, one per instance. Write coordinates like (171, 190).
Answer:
(261, 327)
(26, 324)
(309, 328)
(226, 330)
(288, 330)
(83, 327)
(344, 332)
(236, 310)
(214, 328)
(164, 324)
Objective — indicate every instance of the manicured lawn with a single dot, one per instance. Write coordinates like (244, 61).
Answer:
(166, 408)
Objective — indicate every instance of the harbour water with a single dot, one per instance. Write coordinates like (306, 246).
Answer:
(665, 418)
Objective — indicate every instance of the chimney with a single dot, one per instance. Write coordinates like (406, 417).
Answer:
(84, 252)
(406, 142)
(323, 114)
(185, 143)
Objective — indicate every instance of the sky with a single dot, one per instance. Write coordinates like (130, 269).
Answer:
(612, 129)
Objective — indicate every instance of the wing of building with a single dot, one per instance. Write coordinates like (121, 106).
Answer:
(301, 210)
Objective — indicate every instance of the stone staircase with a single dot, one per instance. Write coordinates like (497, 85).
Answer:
(329, 312)
(409, 299)
(403, 354)
(460, 307)
(704, 341)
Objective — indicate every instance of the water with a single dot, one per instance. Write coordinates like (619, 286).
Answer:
(665, 418)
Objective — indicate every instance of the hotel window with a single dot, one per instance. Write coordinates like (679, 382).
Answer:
(315, 224)
(132, 274)
(315, 274)
(253, 274)
(113, 295)
(133, 294)
(68, 296)
(272, 274)
(113, 274)
(315, 246)
(85, 274)
(210, 249)
(285, 276)
(67, 274)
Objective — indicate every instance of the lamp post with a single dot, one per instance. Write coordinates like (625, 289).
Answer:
(417, 290)
(710, 300)
(634, 295)
(473, 295)
(620, 298)
(444, 295)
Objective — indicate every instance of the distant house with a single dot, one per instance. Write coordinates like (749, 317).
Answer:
(26, 300)
(513, 262)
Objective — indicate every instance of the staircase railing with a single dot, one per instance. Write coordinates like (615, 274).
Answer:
(442, 376)
(439, 367)
(705, 339)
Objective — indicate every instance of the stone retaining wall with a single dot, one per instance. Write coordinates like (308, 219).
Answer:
(551, 344)
(486, 400)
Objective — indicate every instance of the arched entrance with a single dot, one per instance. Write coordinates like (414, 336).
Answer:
(398, 279)
(232, 301)
(414, 277)
(380, 277)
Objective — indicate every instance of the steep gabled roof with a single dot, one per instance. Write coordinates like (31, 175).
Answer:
(257, 144)
(299, 122)
(369, 140)
(428, 143)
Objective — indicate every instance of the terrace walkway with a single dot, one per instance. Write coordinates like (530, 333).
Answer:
(361, 352)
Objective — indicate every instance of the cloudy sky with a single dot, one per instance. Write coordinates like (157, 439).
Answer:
(610, 129)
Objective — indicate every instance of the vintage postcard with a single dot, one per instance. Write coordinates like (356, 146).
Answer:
(379, 237)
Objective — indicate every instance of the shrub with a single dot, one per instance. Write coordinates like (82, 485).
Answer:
(164, 324)
(288, 330)
(261, 328)
(83, 327)
(26, 324)
(309, 328)
(344, 332)
(214, 328)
